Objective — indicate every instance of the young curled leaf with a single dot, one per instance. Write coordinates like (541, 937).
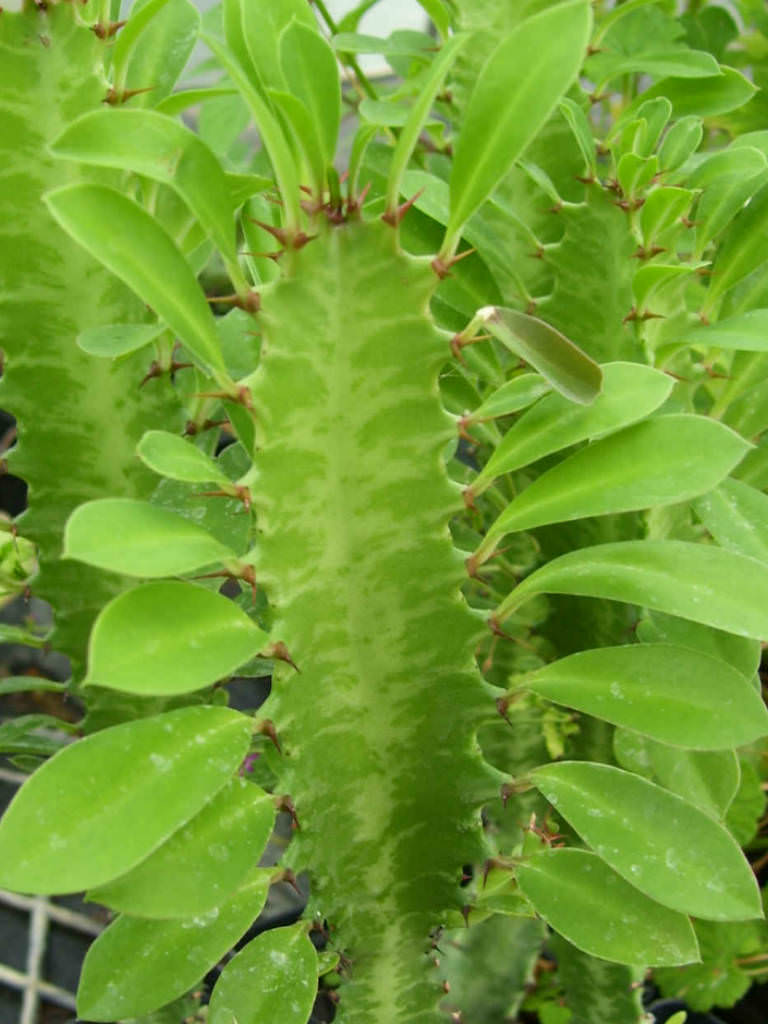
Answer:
(569, 370)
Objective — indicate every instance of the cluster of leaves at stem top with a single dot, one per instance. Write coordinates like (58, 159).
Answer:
(514, 692)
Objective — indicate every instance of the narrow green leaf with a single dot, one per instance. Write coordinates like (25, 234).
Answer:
(172, 456)
(517, 90)
(704, 97)
(667, 848)
(675, 63)
(161, 52)
(439, 14)
(723, 199)
(263, 22)
(161, 639)
(673, 694)
(569, 370)
(579, 124)
(584, 900)
(650, 282)
(399, 44)
(516, 394)
(657, 462)
(747, 331)
(130, 243)
(203, 863)
(28, 684)
(301, 127)
(128, 37)
(271, 133)
(630, 392)
(693, 581)
(138, 539)
(312, 75)
(164, 150)
(118, 339)
(180, 101)
(138, 965)
(707, 778)
(285, 962)
(418, 115)
(103, 804)
(737, 517)
(743, 250)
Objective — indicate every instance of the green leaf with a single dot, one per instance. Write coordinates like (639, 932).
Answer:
(634, 173)
(667, 848)
(567, 368)
(164, 150)
(662, 210)
(724, 198)
(680, 142)
(203, 863)
(743, 249)
(312, 75)
(704, 97)
(417, 117)
(130, 243)
(263, 22)
(103, 804)
(651, 280)
(285, 962)
(399, 44)
(673, 694)
(630, 392)
(161, 52)
(579, 896)
(694, 581)
(659, 461)
(737, 517)
(172, 456)
(118, 339)
(739, 652)
(516, 394)
(161, 639)
(676, 63)
(579, 124)
(303, 129)
(28, 684)
(137, 965)
(128, 38)
(747, 332)
(516, 92)
(138, 539)
(707, 778)
(180, 101)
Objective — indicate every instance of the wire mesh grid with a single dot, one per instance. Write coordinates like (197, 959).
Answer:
(32, 928)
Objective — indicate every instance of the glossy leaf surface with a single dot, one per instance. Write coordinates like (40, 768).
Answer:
(101, 805)
(516, 92)
(673, 694)
(172, 456)
(117, 339)
(662, 845)
(138, 539)
(285, 963)
(138, 965)
(630, 392)
(737, 517)
(203, 863)
(657, 462)
(165, 150)
(694, 581)
(579, 896)
(161, 639)
(120, 233)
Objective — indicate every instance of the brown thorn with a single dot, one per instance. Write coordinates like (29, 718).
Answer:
(284, 803)
(443, 267)
(355, 205)
(267, 728)
(115, 98)
(468, 494)
(155, 370)
(395, 217)
(274, 256)
(507, 792)
(280, 652)
(466, 910)
(103, 31)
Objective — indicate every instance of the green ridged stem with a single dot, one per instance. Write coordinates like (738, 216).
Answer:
(354, 550)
